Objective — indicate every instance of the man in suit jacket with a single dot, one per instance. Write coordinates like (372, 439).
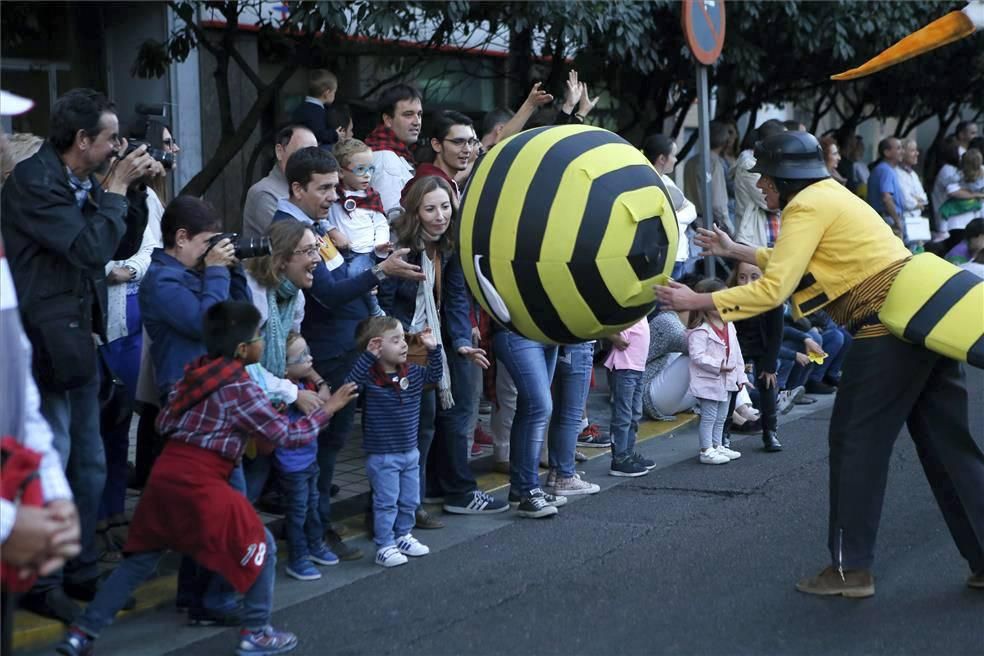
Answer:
(322, 86)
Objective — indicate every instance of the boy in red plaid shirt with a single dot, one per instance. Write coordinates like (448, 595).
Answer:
(188, 505)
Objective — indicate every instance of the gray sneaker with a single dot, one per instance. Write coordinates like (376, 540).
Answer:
(572, 486)
(627, 467)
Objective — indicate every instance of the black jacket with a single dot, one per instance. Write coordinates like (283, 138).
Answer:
(315, 117)
(760, 338)
(58, 252)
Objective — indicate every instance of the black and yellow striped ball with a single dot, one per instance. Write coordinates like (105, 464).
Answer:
(564, 231)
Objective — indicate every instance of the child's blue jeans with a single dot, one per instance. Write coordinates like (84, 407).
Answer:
(394, 478)
(304, 529)
(359, 263)
(626, 410)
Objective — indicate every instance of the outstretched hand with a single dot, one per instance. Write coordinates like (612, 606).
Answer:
(714, 242)
(538, 97)
(676, 296)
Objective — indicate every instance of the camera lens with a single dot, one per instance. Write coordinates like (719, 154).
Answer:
(253, 247)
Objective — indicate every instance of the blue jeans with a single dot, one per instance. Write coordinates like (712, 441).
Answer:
(74, 420)
(679, 269)
(626, 411)
(332, 439)
(425, 434)
(123, 356)
(359, 263)
(572, 380)
(453, 475)
(531, 366)
(304, 529)
(137, 568)
(395, 494)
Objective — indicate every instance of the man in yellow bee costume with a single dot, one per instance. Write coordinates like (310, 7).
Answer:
(914, 320)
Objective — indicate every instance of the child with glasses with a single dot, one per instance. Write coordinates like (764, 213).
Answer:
(298, 474)
(357, 224)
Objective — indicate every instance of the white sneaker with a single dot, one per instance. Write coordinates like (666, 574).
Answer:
(411, 546)
(730, 454)
(713, 457)
(390, 557)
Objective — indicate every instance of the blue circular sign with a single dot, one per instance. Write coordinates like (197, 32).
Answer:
(703, 24)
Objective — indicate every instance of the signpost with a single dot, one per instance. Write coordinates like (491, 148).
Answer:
(703, 25)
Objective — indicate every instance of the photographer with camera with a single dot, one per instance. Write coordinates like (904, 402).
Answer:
(61, 227)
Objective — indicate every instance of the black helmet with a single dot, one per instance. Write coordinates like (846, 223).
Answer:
(790, 156)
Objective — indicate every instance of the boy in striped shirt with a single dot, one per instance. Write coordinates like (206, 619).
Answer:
(392, 389)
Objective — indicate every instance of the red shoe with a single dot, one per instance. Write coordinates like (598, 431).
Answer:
(591, 437)
(481, 437)
(476, 449)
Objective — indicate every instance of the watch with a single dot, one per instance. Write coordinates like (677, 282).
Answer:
(377, 270)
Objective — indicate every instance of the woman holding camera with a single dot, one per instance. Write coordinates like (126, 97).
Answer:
(191, 272)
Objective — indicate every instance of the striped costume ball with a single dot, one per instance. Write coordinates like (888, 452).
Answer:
(564, 231)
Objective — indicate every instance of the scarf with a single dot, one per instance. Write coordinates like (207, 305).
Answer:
(383, 138)
(280, 314)
(384, 379)
(203, 377)
(371, 201)
(434, 323)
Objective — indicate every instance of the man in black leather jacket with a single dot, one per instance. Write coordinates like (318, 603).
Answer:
(60, 228)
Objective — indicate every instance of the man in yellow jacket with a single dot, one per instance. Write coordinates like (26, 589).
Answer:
(834, 252)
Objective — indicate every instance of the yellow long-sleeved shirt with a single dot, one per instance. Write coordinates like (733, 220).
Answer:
(830, 241)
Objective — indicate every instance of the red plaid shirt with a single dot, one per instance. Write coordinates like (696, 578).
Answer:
(234, 413)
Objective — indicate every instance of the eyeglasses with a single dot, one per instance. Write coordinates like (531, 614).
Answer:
(302, 358)
(168, 143)
(362, 170)
(462, 141)
(311, 252)
(258, 338)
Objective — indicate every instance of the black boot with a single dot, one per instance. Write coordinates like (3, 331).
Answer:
(771, 441)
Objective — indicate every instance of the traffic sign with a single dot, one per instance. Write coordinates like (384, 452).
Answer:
(703, 25)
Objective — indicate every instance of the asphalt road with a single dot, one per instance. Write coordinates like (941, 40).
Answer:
(688, 560)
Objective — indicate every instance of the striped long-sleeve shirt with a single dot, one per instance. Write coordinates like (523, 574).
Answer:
(391, 412)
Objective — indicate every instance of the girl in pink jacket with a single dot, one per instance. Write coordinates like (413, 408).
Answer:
(717, 371)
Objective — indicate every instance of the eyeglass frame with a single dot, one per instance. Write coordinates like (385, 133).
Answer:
(368, 170)
(460, 142)
(304, 356)
(312, 252)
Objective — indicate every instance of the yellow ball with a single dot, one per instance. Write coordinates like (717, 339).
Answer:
(564, 231)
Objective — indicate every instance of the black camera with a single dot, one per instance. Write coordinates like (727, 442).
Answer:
(165, 158)
(245, 248)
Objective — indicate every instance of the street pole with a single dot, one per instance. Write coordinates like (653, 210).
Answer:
(703, 129)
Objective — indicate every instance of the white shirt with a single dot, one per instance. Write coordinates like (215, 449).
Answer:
(391, 176)
(686, 213)
(365, 229)
(912, 191)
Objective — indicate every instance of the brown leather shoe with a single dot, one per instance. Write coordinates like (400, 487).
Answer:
(425, 520)
(855, 583)
(976, 580)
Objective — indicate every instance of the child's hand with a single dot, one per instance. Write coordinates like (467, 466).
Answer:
(375, 346)
(428, 339)
(341, 398)
(341, 241)
(619, 342)
(307, 401)
(802, 359)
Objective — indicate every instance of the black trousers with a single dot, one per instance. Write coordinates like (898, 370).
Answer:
(887, 383)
